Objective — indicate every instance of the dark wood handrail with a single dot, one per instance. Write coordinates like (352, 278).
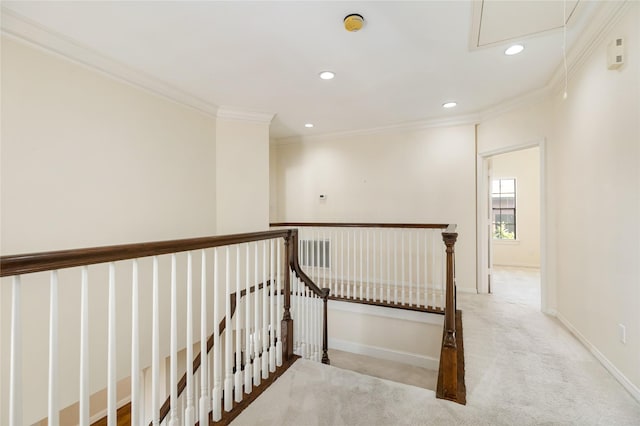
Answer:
(361, 225)
(46, 261)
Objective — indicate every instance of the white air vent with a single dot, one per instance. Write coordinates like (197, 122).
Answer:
(315, 253)
(615, 54)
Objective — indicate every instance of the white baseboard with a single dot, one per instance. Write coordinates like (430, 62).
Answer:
(624, 381)
(467, 290)
(384, 353)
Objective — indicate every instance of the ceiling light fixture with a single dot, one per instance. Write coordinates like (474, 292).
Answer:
(327, 75)
(353, 22)
(449, 104)
(514, 50)
(308, 125)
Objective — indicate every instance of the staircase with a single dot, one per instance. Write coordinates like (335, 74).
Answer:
(268, 312)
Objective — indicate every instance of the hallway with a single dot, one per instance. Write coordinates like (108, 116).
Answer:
(522, 367)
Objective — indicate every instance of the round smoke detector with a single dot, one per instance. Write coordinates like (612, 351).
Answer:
(353, 22)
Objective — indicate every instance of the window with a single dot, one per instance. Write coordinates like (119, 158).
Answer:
(503, 205)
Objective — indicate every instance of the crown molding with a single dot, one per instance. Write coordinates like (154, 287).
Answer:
(459, 120)
(239, 114)
(607, 16)
(25, 30)
(529, 98)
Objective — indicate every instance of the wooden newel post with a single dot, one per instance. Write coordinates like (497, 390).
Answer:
(325, 339)
(449, 239)
(449, 354)
(287, 321)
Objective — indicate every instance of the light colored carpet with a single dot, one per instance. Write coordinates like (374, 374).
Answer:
(523, 368)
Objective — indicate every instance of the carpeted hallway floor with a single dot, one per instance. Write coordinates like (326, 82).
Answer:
(522, 368)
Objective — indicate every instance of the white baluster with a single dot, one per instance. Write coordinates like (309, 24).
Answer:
(307, 334)
(404, 300)
(336, 262)
(300, 312)
(53, 351)
(257, 375)
(316, 327)
(434, 286)
(265, 318)
(228, 344)
(348, 264)
(142, 397)
(84, 350)
(173, 362)
(15, 375)
(411, 286)
(355, 266)
(426, 269)
(324, 258)
(360, 253)
(375, 268)
(388, 255)
(247, 331)
(342, 259)
(135, 345)
(203, 405)
(313, 263)
(418, 268)
(272, 309)
(395, 267)
(368, 255)
(238, 333)
(189, 414)
(111, 356)
(216, 394)
(155, 349)
(279, 306)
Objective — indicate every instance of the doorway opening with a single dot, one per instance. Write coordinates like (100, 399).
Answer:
(511, 255)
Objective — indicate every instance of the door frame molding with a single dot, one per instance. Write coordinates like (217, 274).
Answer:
(482, 220)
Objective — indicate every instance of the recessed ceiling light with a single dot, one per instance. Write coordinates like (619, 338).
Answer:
(514, 50)
(308, 125)
(327, 75)
(449, 104)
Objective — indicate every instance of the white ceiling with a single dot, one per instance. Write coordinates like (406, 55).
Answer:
(265, 56)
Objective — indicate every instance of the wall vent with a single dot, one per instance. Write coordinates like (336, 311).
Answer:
(315, 253)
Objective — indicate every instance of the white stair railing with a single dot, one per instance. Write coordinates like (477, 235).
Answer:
(246, 295)
(389, 264)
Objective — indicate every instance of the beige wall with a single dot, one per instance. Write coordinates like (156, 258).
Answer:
(591, 196)
(424, 176)
(87, 161)
(524, 166)
(242, 176)
(596, 186)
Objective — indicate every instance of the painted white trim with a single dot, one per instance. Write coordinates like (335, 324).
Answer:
(602, 22)
(476, 25)
(25, 30)
(466, 290)
(103, 413)
(459, 120)
(381, 311)
(240, 114)
(19, 27)
(617, 374)
(482, 268)
(384, 353)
